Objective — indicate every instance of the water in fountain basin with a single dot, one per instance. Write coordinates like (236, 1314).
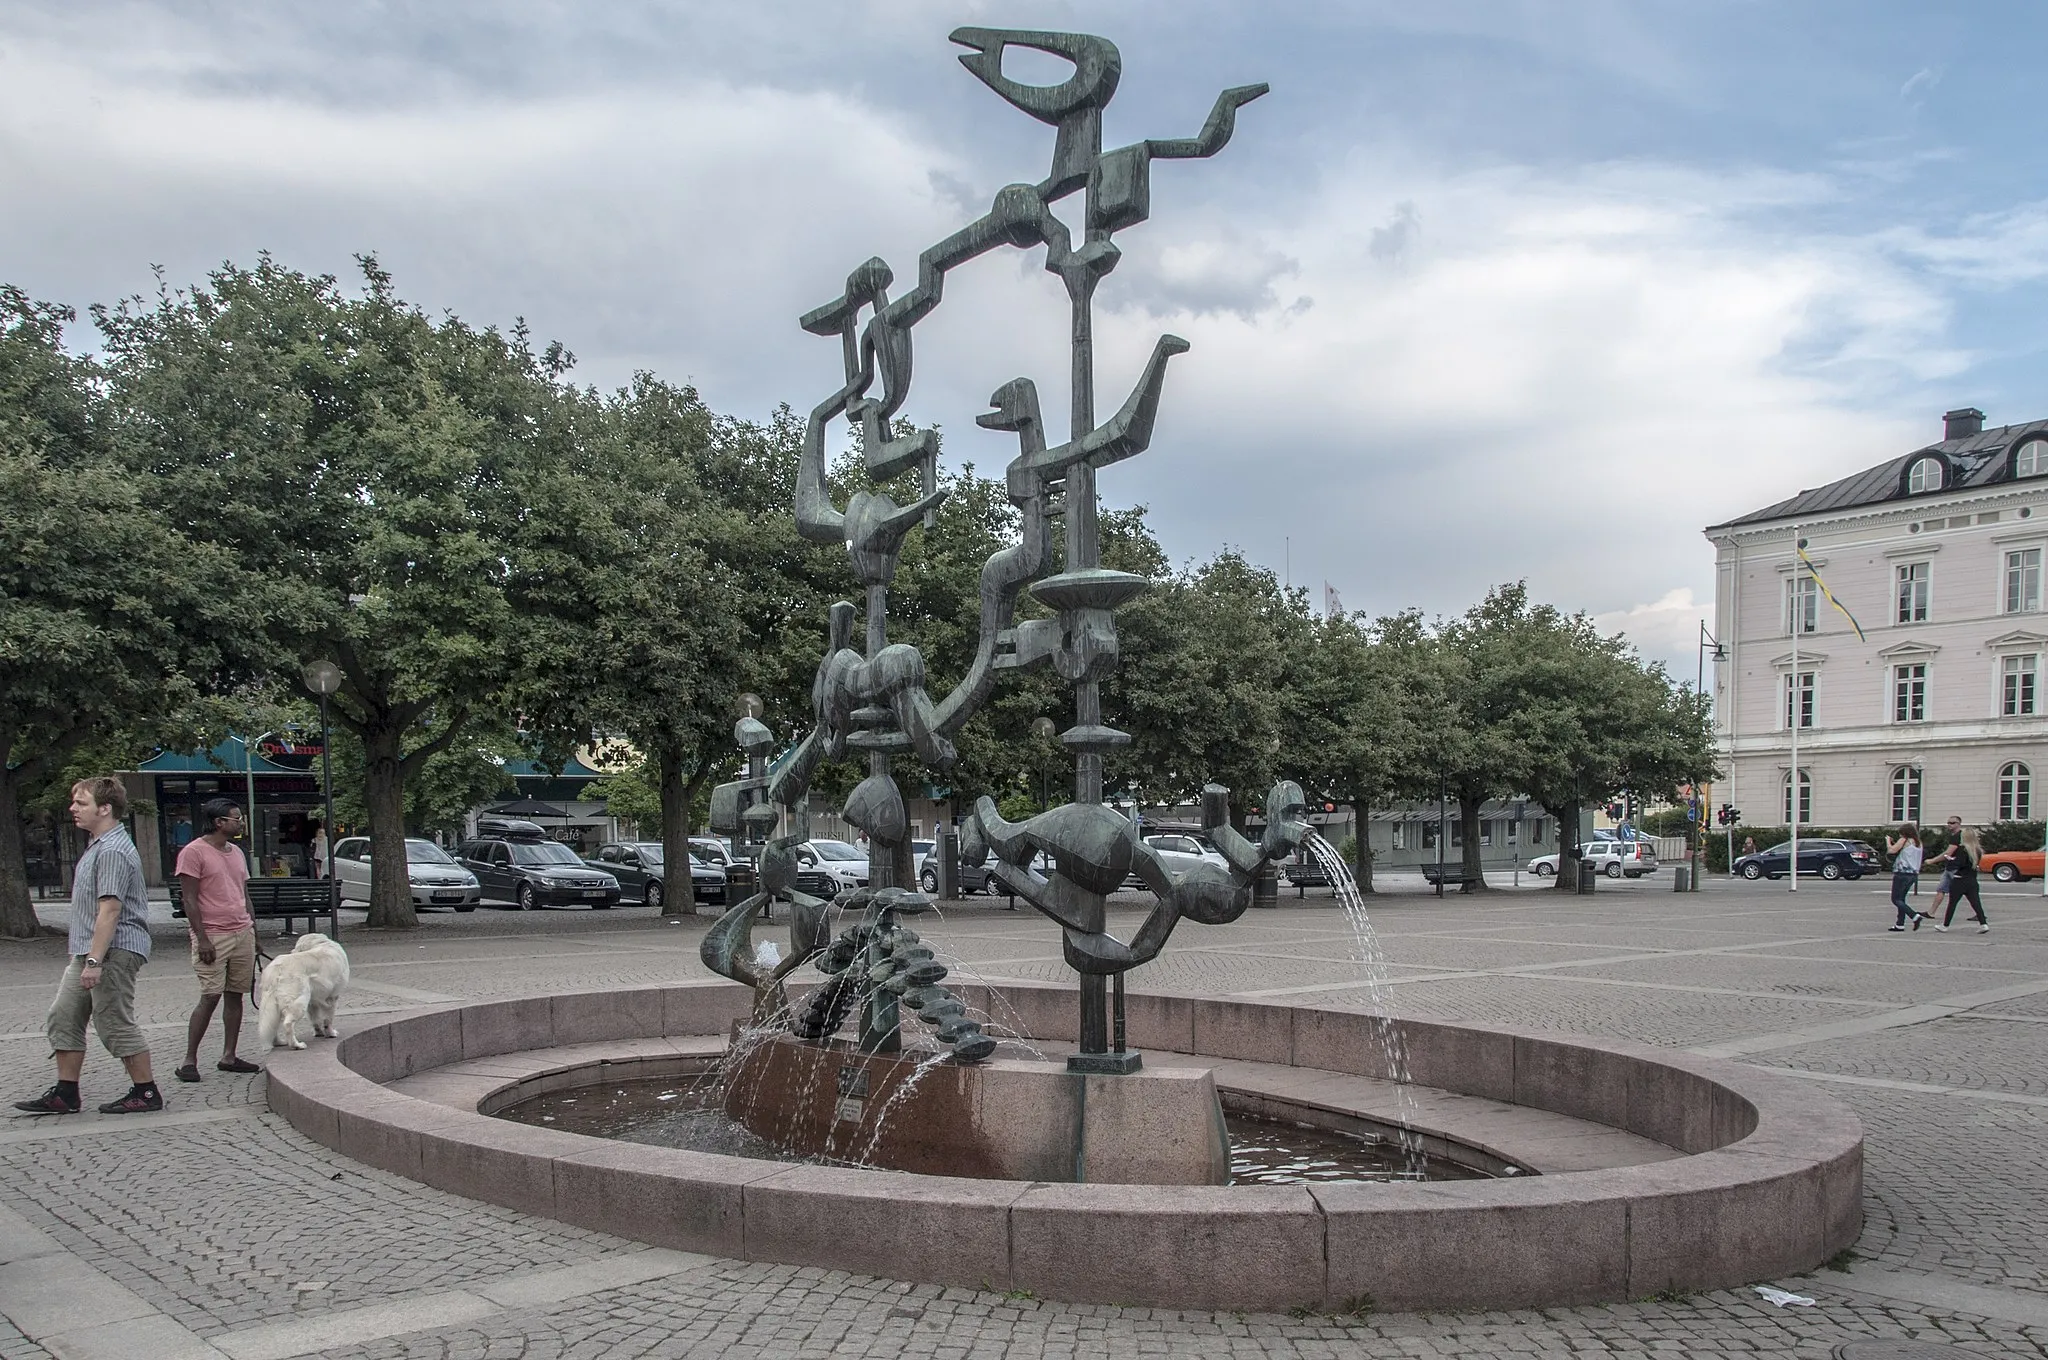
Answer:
(1373, 962)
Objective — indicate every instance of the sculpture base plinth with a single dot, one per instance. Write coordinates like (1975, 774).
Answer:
(1000, 1120)
(1105, 1064)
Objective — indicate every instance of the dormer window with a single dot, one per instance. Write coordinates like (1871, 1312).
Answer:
(2030, 459)
(1926, 475)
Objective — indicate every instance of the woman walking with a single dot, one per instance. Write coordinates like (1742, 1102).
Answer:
(1963, 859)
(1905, 852)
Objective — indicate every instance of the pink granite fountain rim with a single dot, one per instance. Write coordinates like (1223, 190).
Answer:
(1771, 1185)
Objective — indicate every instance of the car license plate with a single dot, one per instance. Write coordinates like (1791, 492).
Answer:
(448, 896)
(597, 893)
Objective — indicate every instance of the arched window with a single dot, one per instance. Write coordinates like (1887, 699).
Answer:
(1805, 798)
(2030, 459)
(1924, 476)
(1906, 793)
(2015, 793)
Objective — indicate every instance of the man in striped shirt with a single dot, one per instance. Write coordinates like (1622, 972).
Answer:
(109, 945)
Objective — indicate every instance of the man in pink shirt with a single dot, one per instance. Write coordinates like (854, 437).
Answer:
(213, 875)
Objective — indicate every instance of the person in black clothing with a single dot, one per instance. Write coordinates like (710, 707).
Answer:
(1962, 861)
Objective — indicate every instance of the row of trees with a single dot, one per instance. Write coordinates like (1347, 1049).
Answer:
(269, 469)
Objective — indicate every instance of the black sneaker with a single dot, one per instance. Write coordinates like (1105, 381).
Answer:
(137, 1101)
(49, 1102)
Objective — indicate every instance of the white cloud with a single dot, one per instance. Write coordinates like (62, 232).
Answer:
(1666, 629)
(1429, 376)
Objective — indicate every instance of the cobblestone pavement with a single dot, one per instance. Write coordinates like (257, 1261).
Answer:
(215, 1229)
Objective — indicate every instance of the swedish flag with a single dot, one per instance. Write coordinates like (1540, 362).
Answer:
(1827, 594)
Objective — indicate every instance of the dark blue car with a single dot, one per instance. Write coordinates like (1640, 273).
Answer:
(1819, 858)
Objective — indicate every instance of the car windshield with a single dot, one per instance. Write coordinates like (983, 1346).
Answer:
(425, 852)
(543, 852)
(650, 854)
(837, 850)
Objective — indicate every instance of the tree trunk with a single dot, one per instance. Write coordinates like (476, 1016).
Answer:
(384, 791)
(1567, 879)
(1361, 844)
(17, 911)
(678, 893)
(1468, 823)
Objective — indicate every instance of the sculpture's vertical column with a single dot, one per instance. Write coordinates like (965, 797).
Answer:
(1084, 553)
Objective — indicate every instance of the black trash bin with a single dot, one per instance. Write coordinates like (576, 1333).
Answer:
(1266, 887)
(1589, 875)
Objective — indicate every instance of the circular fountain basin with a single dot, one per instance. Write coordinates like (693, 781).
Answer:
(1659, 1170)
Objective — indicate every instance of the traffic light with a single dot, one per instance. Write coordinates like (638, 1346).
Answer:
(1730, 814)
(1614, 811)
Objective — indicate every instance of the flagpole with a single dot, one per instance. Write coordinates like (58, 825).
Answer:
(1792, 695)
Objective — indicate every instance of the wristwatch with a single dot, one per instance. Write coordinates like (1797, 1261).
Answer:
(92, 962)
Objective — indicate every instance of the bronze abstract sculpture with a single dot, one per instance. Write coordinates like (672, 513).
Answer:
(872, 699)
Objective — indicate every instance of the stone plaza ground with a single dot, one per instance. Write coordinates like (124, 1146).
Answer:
(214, 1229)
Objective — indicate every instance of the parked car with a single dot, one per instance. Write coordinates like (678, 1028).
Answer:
(713, 850)
(1821, 858)
(640, 867)
(971, 878)
(437, 880)
(529, 870)
(1615, 858)
(1181, 851)
(826, 868)
(2012, 866)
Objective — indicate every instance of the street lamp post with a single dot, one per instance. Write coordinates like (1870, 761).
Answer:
(1697, 825)
(1045, 729)
(323, 678)
(249, 773)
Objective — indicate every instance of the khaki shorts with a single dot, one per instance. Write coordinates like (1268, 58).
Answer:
(110, 1005)
(234, 964)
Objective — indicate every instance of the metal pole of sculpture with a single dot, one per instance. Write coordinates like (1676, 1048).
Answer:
(872, 699)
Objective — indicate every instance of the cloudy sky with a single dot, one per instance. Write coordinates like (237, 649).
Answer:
(1480, 291)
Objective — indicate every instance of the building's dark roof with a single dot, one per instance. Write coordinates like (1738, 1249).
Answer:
(1974, 461)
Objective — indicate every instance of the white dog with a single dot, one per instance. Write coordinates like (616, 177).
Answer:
(303, 985)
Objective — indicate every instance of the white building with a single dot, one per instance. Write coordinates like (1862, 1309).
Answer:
(1937, 709)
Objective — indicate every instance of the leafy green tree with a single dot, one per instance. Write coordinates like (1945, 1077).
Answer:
(382, 483)
(1358, 718)
(446, 787)
(111, 618)
(1207, 657)
(631, 795)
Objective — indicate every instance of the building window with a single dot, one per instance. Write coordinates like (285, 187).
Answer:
(1486, 832)
(1798, 705)
(2015, 793)
(1925, 476)
(1535, 831)
(1802, 605)
(1909, 692)
(1805, 798)
(2017, 700)
(1906, 793)
(1428, 835)
(2023, 581)
(2030, 459)
(1914, 580)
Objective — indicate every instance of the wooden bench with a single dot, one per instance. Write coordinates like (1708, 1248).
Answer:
(282, 899)
(1446, 875)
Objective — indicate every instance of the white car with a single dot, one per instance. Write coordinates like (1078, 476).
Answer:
(843, 866)
(1616, 859)
(437, 880)
(1179, 852)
